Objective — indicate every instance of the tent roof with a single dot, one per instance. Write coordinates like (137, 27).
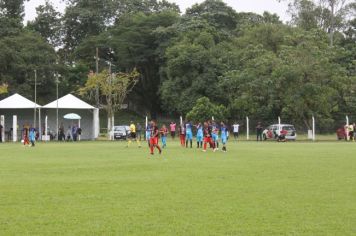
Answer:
(17, 101)
(69, 102)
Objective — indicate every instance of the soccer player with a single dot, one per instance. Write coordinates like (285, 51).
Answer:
(32, 136)
(200, 135)
(207, 136)
(164, 133)
(172, 127)
(181, 131)
(224, 134)
(188, 134)
(25, 135)
(132, 135)
(215, 135)
(154, 138)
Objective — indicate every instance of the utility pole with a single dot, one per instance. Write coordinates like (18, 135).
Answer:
(57, 128)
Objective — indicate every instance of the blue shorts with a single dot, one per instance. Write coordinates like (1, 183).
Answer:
(215, 137)
(199, 138)
(148, 136)
(224, 139)
(188, 136)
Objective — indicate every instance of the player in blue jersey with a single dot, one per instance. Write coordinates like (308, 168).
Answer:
(224, 135)
(188, 134)
(148, 134)
(200, 135)
(215, 135)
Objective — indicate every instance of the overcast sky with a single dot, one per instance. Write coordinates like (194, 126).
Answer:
(257, 6)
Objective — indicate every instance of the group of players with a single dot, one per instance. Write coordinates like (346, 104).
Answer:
(206, 133)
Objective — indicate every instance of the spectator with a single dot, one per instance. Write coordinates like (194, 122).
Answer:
(69, 134)
(1, 127)
(282, 135)
(351, 132)
(61, 135)
(259, 131)
(139, 131)
(235, 130)
(75, 133)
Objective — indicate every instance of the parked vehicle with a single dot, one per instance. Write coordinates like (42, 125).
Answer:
(120, 132)
(273, 132)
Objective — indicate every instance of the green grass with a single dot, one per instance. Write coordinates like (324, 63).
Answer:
(104, 188)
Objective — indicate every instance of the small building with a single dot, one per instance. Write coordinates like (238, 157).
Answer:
(17, 111)
(89, 122)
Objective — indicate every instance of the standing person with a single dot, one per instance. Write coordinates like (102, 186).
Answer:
(1, 127)
(181, 131)
(154, 138)
(224, 135)
(188, 134)
(132, 135)
(75, 133)
(351, 132)
(69, 134)
(61, 134)
(354, 138)
(32, 136)
(139, 131)
(346, 130)
(215, 135)
(148, 134)
(200, 135)
(164, 133)
(259, 131)
(25, 135)
(172, 128)
(235, 130)
(207, 137)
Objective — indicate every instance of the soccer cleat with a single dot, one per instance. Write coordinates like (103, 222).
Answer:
(203, 150)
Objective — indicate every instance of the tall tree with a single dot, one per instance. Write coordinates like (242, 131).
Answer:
(12, 8)
(113, 90)
(48, 23)
(137, 41)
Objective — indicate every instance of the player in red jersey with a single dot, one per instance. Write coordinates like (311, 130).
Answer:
(207, 136)
(154, 138)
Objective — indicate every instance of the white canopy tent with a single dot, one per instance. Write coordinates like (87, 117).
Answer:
(17, 111)
(89, 122)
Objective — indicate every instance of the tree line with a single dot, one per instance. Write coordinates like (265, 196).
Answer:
(242, 64)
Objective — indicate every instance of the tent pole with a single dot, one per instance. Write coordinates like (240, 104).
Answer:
(3, 129)
(14, 128)
(46, 128)
(79, 128)
(39, 124)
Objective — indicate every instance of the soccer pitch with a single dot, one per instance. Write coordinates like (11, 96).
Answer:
(103, 188)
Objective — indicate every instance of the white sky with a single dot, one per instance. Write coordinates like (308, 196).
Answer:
(257, 6)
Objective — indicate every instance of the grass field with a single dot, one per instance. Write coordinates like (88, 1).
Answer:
(104, 188)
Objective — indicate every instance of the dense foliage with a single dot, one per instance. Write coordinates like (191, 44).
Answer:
(252, 65)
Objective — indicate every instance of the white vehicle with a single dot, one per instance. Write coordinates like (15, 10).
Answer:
(273, 131)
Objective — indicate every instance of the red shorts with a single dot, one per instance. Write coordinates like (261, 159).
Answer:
(154, 141)
(208, 140)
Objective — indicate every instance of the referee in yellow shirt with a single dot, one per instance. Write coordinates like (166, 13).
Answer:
(132, 136)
